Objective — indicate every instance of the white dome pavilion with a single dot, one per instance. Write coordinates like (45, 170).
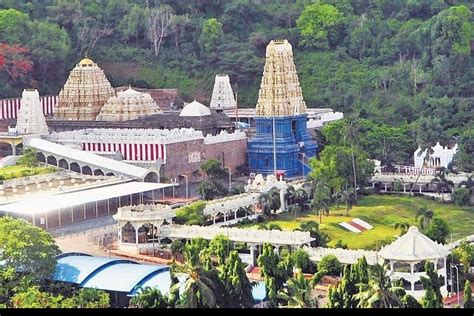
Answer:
(407, 257)
(195, 109)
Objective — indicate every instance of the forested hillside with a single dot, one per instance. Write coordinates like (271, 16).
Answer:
(405, 66)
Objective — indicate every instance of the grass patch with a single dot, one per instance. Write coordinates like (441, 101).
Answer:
(382, 212)
(12, 172)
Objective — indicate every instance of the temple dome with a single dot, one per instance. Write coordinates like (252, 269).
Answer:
(413, 246)
(85, 92)
(128, 105)
(195, 109)
(86, 62)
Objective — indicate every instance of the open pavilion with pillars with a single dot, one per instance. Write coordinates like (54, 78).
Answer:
(143, 227)
(87, 163)
(54, 209)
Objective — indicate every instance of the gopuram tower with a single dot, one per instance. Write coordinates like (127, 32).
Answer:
(222, 94)
(85, 92)
(31, 119)
(282, 142)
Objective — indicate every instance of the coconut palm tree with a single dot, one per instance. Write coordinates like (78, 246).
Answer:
(441, 183)
(424, 216)
(320, 238)
(270, 226)
(290, 195)
(321, 200)
(297, 293)
(403, 226)
(150, 297)
(347, 196)
(269, 201)
(379, 292)
(469, 184)
(294, 209)
(198, 289)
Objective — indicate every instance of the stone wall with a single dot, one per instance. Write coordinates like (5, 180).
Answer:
(187, 157)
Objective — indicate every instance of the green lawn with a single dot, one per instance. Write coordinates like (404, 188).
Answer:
(382, 212)
(12, 172)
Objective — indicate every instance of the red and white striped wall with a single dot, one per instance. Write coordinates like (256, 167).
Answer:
(9, 107)
(137, 152)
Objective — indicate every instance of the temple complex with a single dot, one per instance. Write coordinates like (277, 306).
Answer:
(128, 105)
(84, 93)
(222, 95)
(31, 119)
(282, 142)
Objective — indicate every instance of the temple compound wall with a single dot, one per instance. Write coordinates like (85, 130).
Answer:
(176, 151)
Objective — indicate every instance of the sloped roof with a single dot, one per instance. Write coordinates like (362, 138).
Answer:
(195, 109)
(413, 246)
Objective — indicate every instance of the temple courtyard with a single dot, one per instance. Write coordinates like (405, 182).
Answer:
(382, 212)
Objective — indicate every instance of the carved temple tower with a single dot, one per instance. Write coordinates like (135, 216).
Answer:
(222, 94)
(31, 118)
(281, 118)
(84, 93)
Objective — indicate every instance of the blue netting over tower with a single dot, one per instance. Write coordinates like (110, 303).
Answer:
(280, 105)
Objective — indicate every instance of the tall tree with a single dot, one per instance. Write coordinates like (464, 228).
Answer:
(211, 35)
(432, 297)
(159, 20)
(298, 293)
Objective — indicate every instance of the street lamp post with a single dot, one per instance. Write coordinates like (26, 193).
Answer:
(230, 178)
(187, 192)
(457, 282)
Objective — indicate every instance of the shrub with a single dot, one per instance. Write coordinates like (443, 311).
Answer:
(461, 197)
(191, 214)
(331, 264)
(340, 244)
(397, 186)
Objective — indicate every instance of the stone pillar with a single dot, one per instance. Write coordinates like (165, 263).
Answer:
(282, 200)
(13, 149)
(445, 274)
(391, 266)
(412, 274)
(252, 255)
(277, 249)
(136, 237)
(419, 186)
(385, 185)
(214, 219)
(404, 188)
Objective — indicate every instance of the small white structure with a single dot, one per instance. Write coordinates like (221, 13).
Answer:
(408, 255)
(31, 119)
(195, 109)
(222, 95)
(441, 157)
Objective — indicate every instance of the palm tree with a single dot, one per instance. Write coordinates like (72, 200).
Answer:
(302, 198)
(403, 226)
(270, 226)
(269, 201)
(347, 196)
(441, 182)
(150, 297)
(469, 184)
(351, 138)
(294, 209)
(379, 292)
(321, 200)
(290, 194)
(298, 293)
(424, 216)
(198, 288)
(321, 239)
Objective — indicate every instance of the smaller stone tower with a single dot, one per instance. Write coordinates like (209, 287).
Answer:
(222, 95)
(31, 119)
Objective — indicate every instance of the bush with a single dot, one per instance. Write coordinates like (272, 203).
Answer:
(192, 214)
(397, 186)
(461, 197)
(340, 244)
(331, 264)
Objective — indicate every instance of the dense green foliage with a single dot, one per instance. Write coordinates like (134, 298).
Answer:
(192, 214)
(403, 65)
(330, 264)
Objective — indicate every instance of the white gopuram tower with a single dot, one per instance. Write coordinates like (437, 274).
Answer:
(31, 119)
(222, 95)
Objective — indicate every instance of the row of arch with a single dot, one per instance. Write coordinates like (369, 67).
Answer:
(73, 166)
